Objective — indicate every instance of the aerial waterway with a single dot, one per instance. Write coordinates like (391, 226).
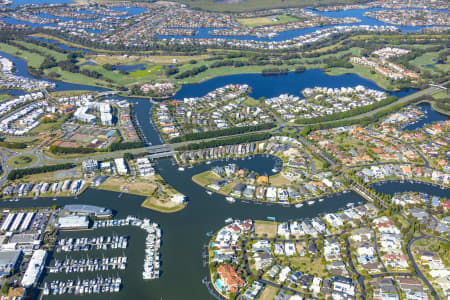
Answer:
(184, 233)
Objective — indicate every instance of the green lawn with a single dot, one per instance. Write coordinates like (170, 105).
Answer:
(57, 55)
(268, 20)
(150, 71)
(33, 59)
(205, 178)
(22, 161)
(251, 102)
(362, 71)
(425, 62)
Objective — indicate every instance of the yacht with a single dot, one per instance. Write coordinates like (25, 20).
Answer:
(321, 200)
(229, 220)
(310, 202)
(209, 193)
(298, 205)
(180, 169)
(230, 199)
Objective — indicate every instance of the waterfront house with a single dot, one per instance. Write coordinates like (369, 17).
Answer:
(271, 193)
(238, 189)
(229, 279)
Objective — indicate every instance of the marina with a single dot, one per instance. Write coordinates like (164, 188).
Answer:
(88, 264)
(81, 287)
(86, 244)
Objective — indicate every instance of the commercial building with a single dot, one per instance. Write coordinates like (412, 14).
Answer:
(73, 222)
(90, 165)
(35, 267)
(8, 261)
(121, 166)
(87, 210)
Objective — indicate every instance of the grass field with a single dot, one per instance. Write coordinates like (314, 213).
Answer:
(57, 55)
(263, 228)
(268, 20)
(426, 62)
(22, 161)
(33, 59)
(150, 71)
(362, 71)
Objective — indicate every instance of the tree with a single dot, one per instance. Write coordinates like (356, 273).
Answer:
(128, 156)
(5, 288)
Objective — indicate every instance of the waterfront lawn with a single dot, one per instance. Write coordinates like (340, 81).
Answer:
(33, 59)
(158, 193)
(267, 20)
(137, 187)
(266, 229)
(309, 265)
(226, 190)
(22, 161)
(4, 97)
(269, 293)
(365, 72)
(205, 178)
(77, 78)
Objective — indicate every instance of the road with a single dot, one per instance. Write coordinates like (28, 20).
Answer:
(164, 150)
(416, 268)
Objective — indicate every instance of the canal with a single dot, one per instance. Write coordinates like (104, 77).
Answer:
(184, 233)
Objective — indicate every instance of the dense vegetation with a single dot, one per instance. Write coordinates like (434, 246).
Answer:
(19, 173)
(349, 113)
(222, 132)
(83, 150)
(229, 141)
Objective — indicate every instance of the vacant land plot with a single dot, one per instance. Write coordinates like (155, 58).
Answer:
(269, 293)
(158, 193)
(279, 180)
(311, 266)
(266, 228)
(205, 178)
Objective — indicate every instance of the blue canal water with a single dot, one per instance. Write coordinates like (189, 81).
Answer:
(394, 186)
(431, 116)
(273, 86)
(204, 33)
(131, 68)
